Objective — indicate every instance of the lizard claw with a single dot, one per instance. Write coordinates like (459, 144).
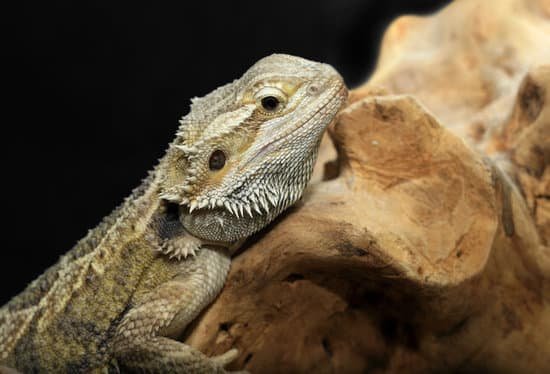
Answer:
(226, 357)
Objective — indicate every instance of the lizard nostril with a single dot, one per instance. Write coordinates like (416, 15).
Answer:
(313, 89)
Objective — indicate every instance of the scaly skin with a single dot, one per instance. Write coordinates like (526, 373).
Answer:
(119, 298)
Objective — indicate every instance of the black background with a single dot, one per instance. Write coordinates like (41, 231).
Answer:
(93, 91)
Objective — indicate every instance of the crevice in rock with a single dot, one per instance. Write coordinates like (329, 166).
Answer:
(248, 358)
(225, 326)
(293, 277)
(326, 346)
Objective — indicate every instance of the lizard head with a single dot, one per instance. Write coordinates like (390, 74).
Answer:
(245, 152)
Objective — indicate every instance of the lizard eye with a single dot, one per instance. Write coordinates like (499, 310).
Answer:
(217, 160)
(270, 103)
(271, 99)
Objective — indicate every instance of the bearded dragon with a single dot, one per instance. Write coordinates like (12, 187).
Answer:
(119, 299)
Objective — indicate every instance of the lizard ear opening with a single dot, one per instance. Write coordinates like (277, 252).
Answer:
(217, 160)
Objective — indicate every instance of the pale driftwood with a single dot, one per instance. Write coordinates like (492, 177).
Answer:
(427, 250)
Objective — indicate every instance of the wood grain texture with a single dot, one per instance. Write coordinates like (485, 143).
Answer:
(425, 246)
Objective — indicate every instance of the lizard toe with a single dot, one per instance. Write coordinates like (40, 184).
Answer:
(226, 357)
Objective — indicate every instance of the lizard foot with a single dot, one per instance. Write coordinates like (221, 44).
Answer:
(182, 246)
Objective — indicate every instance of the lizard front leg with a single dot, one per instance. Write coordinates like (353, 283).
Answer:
(143, 340)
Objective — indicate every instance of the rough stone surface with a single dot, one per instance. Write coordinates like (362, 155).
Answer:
(424, 246)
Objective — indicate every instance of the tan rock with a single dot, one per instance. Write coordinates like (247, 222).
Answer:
(416, 251)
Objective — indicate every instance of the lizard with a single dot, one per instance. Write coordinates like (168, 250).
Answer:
(120, 298)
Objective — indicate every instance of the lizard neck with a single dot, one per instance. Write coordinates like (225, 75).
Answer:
(221, 226)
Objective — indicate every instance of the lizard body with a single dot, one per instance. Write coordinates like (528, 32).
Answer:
(121, 296)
